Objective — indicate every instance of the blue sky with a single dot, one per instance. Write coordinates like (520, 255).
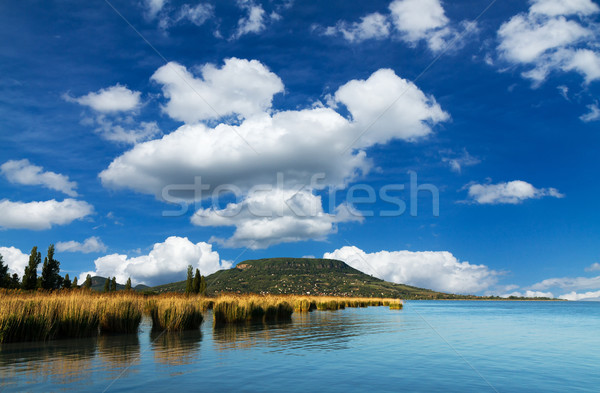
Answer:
(103, 105)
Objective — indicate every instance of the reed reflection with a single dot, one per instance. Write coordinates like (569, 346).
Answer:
(118, 353)
(60, 362)
(176, 348)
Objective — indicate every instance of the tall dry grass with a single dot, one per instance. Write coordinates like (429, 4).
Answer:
(33, 316)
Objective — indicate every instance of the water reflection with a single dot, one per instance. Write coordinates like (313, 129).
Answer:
(60, 362)
(176, 348)
(118, 353)
(246, 335)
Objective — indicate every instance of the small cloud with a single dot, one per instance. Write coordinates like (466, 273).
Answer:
(23, 172)
(512, 192)
(89, 245)
(594, 267)
(457, 163)
(592, 115)
(110, 100)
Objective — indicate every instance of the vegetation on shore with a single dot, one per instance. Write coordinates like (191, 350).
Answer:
(42, 315)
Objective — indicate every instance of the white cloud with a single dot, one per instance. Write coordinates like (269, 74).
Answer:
(437, 270)
(563, 7)
(272, 217)
(153, 7)
(167, 262)
(197, 14)
(529, 293)
(574, 296)
(41, 215)
(14, 259)
(372, 26)
(89, 245)
(593, 113)
(512, 192)
(23, 172)
(125, 130)
(549, 37)
(110, 100)
(593, 267)
(227, 154)
(458, 162)
(254, 22)
(569, 283)
(417, 19)
(413, 20)
(239, 87)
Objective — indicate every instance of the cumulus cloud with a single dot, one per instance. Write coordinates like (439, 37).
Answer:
(14, 259)
(89, 245)
(569, 283)
(227, 154)
(153, 7)
(593, 267)
(272, 217)
(167, 262)
(529, 293)
(110, 100)
(549, 37)
(240, 87)
(574, 296)
(253, 22)
(42, 215)
(125, 130)
(412, 20)
(437, 270)
(372, 26)
(593, 113)
(24, 172)
(512, 192)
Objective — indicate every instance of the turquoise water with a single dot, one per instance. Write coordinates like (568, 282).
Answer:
(430, 346)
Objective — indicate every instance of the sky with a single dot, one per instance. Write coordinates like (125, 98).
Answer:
(446, 145)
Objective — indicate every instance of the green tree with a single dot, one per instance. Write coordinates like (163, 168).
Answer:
(4, 275)
(113, 285)
(87, 284)
(74, 284)
(128, 284)
(30, 275)
(107, 285)
(51, 278)
(202, 286)
(66, 284)
(15, 283)
(189, 285)
(196, 282)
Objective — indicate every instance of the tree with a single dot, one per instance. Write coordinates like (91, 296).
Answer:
(107, 285)
(202, 286)
(15, 283)
(4, 275)
(113, 285)
(128, 284)
(30, 275)
(74, 285)
(67, 282)
(196, 282)
(51, 278)
(87, 284)
(189, 285)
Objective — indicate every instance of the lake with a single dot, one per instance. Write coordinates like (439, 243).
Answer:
(429, 346)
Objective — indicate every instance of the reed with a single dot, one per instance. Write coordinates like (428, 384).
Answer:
(175, 313)
(121, 315)
(236, 309)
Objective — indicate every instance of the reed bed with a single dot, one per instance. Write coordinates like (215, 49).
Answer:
(235, 309)
(175, 313)
(34, 316)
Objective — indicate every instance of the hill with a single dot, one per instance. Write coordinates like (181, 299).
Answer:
(98, 285)
(305, 276)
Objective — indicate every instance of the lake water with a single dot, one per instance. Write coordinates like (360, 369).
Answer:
(430, 346)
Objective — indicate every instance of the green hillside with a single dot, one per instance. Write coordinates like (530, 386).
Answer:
(305, 276)
(98, 285)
